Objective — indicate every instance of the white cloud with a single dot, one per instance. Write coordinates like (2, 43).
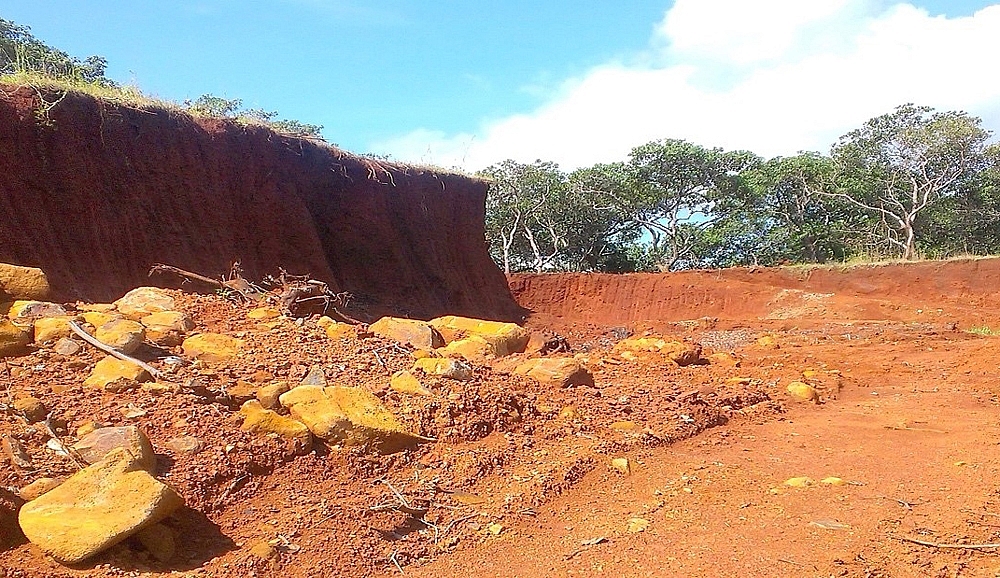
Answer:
(771, 76)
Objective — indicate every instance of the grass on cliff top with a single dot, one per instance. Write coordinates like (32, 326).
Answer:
(871, 261)
(125, 95)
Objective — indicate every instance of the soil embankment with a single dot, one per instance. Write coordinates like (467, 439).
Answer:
(961, 291)
(95, 193)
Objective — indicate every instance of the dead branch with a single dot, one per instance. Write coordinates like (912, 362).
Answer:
(187, 275)
(112, 351)
(945, 546)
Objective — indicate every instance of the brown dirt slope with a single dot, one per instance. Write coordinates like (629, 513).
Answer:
(94, 193)
(961, 291)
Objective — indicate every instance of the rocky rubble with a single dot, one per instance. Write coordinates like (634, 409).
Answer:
(238, 391)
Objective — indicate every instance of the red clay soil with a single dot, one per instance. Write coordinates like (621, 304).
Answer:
(95, 193)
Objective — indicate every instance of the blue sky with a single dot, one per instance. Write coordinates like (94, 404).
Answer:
(466, 84)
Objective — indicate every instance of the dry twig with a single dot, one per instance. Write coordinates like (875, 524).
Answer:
(946, 546)
(157, 374)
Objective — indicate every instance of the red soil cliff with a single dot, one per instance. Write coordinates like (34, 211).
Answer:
(95, 193)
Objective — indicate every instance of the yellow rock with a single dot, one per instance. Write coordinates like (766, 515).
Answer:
(337, 330)
(800, 482)
(413, 332)
(26, 313)
(569, 412)
(405, 382)
(474, 348)
(261, 313)
(53, 328)
(111, 369)
(159, 541)
(167, 328)
(269, 395)
(802, 391)
(501, 338)
(422, 353)
(212, 347)
(13, 339)
(636, 525)
(96, 508)
(99, 318)
(768, 342)
(124, 335)
(264, 421)
(349, 415)
(22, 283)
(445, 367)
(495, 529)
(38, 487)
(739, 381)
(142, 301)
(95, 306)
(724, 359)
(833, 481)
(811, 374)
(622, 465)
(676, 351)
(556, 371)
(310, 405)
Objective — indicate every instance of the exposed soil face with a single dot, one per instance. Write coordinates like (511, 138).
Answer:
(96, 193)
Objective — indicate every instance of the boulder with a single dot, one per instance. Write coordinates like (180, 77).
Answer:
(556, 371)
(167, 328)
(122, 334)
(413, 332)
(310, 405)
(25, 313)
(212, 347)
(502, 338)
(18, 282)
(802, 392)
(444, 367)
(13, 339)
(111, 369)
(143, 301)
(96, 508)
(94, 446)
(474, 348)
(640, 348)
(99, 318)
(336, 329)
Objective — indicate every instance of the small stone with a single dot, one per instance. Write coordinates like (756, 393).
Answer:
(337, 330)
(444, 367)
(31, 408)
(67, 347)
(14, 340)
(99, 318)
(622, 465)
(833, 481)
(262, 550)
(160, 387)
(167, 328)
(38, 487)
(264, 421)
(799, 482)
(802, 391)
(413, 332)
(124, 335)
(495, 529)
(97, 508)
(212, 347)
(723, 359)
(269, 395)
(405, 382)
(242, 391)
(111, 369)
(636, 525)
(142, 301)
(53, 328)
(569, 412)
(86, 427)
(18, 282)
(159, 541)
(768, 342)
(556, 371)
(261, 313)
(185, 445)
(94, 446)
(649, 348)
(314, 377)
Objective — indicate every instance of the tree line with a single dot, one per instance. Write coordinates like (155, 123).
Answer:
(912, 183)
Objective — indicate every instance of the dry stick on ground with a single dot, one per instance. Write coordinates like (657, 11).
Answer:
(157, 374)
(160, 268)
(943, 546)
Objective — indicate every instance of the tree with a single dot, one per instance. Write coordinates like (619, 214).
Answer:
(20, 51)
(679, 190)
(899, 164)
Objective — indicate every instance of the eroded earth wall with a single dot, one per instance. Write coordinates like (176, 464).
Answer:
(95, 193)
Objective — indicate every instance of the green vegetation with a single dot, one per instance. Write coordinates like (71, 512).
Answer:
(909, 184)
(983, 330)
(27, 61)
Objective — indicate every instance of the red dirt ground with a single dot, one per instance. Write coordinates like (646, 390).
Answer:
(908, 418)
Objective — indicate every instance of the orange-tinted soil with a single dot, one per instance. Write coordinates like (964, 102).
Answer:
(908, 418)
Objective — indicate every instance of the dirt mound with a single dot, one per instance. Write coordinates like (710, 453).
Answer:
(95, 193)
